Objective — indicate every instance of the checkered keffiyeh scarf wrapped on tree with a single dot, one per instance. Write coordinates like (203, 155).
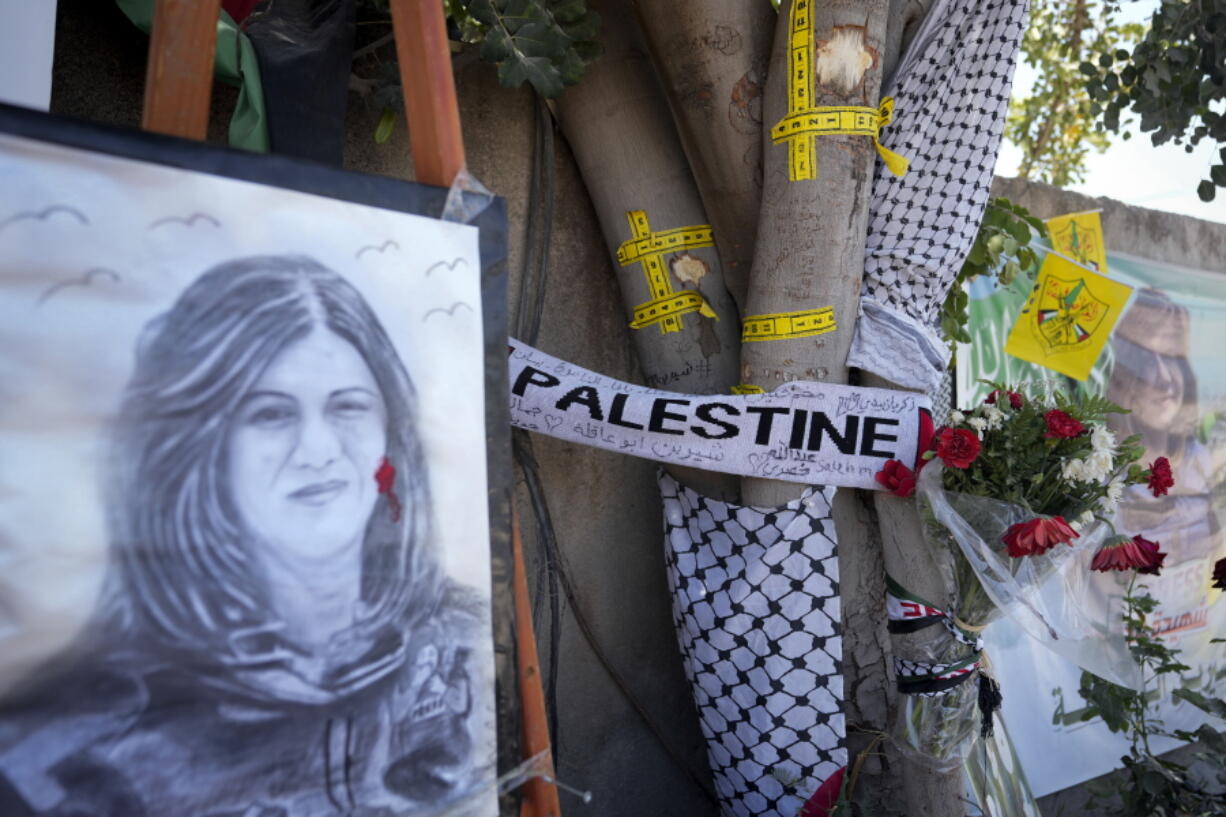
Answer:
(951, 93)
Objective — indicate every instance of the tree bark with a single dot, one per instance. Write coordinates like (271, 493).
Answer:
(618, 125)
(810, 254)
(711, 56)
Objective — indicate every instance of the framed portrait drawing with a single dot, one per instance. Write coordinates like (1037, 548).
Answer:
(246, 493)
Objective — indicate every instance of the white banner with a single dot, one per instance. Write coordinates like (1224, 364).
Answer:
(815, 433)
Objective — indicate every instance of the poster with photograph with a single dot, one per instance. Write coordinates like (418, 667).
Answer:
(1163, 364)
(244, 540)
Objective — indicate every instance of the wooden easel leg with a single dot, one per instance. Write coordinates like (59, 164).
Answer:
(179, 78)
(540, 797)
(429, 90)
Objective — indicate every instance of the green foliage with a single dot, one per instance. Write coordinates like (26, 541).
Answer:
(547, 43)
(1001, 248)
(1019, 463)
(1154, 786)
(1053, 124)
(1172, 79)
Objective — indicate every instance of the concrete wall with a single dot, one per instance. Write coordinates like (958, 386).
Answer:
(640, 758)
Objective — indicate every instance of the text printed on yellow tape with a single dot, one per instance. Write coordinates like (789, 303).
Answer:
(806, 121)
(787, 325)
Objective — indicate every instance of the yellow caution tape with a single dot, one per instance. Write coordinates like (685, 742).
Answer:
(786, 325)
(671, 307)
(806, 121)
(648, 248)
(745, 388)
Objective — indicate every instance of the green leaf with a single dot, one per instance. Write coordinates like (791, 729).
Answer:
(1214, 706)
(387, 123)
(537, 70)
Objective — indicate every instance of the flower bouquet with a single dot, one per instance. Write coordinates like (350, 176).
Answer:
(1015, 500)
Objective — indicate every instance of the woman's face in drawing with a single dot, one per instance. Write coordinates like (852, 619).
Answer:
(304, 448)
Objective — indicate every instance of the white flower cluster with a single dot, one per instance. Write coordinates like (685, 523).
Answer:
(1082, 522)
(984, 418)
(1101, 462)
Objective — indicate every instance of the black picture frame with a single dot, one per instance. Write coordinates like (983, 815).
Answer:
(391, 194)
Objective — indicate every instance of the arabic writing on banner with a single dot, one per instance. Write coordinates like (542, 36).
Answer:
(1163, 363)
(816, 433)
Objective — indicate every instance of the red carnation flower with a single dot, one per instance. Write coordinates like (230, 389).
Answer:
(927, 440)
(957, 447)
(897, 478)
(1015, 400)
(1219, 574)
(1122, 553)
(1062, 424)
(1038, 535)
(823, 801)
(1160, 477)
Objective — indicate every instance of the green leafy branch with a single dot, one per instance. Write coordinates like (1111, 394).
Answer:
(547, 43)
(1173, 79)
(1052, 124)
(1001, 248)
(1154, 785)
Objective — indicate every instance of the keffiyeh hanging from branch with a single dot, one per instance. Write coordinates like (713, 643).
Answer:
(951, 92)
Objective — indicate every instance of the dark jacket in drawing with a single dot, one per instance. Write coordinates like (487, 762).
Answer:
(138, 736)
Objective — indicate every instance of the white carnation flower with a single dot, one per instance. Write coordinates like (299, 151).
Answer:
(1102, 439)
(994, 416)
(1099, 466)
(956, 418)
(1082, 522)
(979, 424)
(1074, 471)
(1115, 491)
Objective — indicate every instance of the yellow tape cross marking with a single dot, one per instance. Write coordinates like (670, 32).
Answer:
(805, 121)
(745, 388)
(647, 248)
(785, 325)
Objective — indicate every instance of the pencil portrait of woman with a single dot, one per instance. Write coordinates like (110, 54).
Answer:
(276, 637)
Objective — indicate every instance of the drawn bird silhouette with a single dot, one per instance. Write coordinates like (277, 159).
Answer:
(86, 278)
(450, 311)
(43, 215)
(186, 221)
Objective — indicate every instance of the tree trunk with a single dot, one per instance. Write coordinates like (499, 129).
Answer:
(618, 125)
(810, 254)
(711, 56)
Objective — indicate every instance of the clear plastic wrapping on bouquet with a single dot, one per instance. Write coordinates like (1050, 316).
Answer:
(1049, 595)
(937, 728)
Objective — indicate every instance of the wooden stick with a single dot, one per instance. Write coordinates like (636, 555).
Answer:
(429, 90)
(540, 797)
(179, 78)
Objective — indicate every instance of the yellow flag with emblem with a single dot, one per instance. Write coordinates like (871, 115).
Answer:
(1067, 318)
(1080, 237)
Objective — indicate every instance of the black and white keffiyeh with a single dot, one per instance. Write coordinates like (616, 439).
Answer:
(951, 93)
(756, 605)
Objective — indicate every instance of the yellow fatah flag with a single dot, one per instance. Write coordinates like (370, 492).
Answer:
(1067, 319)
(1079, 236)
